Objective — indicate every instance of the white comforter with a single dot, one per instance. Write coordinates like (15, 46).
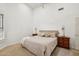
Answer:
(39, 45)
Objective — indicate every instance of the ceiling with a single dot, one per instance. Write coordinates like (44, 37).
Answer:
(34, 5)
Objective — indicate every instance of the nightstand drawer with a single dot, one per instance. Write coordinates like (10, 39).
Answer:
(66, 46)
(66, 42)
(63, 42)
(66, 39)
(60, 44)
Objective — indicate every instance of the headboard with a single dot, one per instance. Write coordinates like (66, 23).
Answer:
(48, 33)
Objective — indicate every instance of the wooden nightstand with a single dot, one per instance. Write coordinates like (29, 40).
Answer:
(34, 34)
(64, 42)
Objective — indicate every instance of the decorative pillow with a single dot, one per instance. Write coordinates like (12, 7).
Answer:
(48, 34)
(53, 34)
(41, 34)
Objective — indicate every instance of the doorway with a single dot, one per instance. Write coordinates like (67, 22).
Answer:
(77, 33)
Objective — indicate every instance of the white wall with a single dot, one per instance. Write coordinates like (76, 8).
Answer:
(50, 17)
(17, 22)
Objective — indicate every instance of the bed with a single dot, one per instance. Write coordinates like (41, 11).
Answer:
(41, 45)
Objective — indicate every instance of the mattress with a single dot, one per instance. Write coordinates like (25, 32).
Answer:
(41, 46)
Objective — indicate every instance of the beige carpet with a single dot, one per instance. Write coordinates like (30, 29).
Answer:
(65, 52)
(17, 50)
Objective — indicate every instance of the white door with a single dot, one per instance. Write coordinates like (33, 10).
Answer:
(77, 34)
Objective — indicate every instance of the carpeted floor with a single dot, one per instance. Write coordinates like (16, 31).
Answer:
(17, 50)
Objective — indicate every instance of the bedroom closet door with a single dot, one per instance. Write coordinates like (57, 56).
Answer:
(77, 34)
